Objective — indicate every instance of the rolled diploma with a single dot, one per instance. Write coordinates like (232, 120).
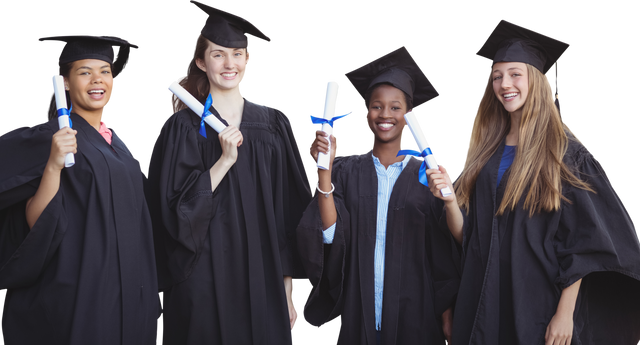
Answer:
(329, 111)
(63, 121)
(196, 106)
(421, 141)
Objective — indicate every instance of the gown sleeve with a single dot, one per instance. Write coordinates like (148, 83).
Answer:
(597, 241)
(325, 263)
(180, 199)
(595, 232)
(25, 252)
(292, 186)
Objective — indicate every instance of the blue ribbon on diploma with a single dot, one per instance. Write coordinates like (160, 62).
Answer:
(207, 105)
(65, 111)
(422, 174)
(317, 120)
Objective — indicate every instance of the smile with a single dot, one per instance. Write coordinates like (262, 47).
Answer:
(385, 125)
(96, 92)
(510, 96)
(230, 75)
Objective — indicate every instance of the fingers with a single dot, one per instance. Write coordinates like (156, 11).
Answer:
(64, 141)
(321, 144)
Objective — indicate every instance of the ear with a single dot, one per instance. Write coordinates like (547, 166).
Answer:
(247, 56)
(201, 65)
(66, 84)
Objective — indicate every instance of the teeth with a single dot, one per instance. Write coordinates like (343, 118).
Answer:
(228, 74)
(385, 125)
(509, 95)
(97, 91)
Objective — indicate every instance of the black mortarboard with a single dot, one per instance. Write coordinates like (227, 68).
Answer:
(93, 47)
(226, 29)
(512, 43)
(398, 69)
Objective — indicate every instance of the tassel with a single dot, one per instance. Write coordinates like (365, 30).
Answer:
(557, 102)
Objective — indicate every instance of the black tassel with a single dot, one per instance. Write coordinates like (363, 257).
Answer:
(121, 61)
(557, 102)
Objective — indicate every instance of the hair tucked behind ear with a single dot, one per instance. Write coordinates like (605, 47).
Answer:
(53, 109)
(538, 168)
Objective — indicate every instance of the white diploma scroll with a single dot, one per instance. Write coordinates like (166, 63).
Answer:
(63, 121)
(196, 106)
(414, 126)
(329, 111)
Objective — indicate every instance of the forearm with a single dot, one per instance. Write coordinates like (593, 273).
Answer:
(567, 303)
(288, 286)
(454, 219)
(326, 204)
(218, 171)
(48, 188)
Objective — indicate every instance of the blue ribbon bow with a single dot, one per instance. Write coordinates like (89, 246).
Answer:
(422, 174)
(317, 120)
(65, 111)
(207, 105)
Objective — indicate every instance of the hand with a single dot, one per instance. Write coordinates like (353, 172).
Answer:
(447, 324)
(63, 142)
(560, 329)
(230, 139)
(288, 287)
(439, 179)
(294, 314)
(321, 144)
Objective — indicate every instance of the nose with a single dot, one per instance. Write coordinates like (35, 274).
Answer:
(506, 83)
(97, 78)
(228, 63)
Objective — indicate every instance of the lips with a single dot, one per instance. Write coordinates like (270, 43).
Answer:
(385, 126)
(509, 96)
(229, 75)
(96, 93)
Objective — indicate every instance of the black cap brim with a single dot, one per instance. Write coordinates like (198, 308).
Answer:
(398, 69)
(513, 43)
(93, 47)
(226, 29)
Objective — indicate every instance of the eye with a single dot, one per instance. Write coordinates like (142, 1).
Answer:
(497, 77)
(375, 107)
(106, 72)
(395, 108)
(515, 75)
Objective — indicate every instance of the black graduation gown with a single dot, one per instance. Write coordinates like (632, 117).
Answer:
(85, 273)
(590, 237)
(222, 255)
(421, 276)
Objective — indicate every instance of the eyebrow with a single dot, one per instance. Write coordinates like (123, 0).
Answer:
(510, 69)
(89, 68)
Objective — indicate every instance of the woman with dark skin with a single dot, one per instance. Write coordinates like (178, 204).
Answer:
(386, 266)
(550, 254)
(77, 247)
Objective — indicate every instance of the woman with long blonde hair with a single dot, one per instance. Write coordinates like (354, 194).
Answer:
(550, 256)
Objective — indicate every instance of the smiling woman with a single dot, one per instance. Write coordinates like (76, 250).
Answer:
(76, 244)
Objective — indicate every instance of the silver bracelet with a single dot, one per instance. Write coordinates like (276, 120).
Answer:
(326, 194)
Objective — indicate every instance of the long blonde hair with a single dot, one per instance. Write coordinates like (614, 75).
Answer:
(542, 143)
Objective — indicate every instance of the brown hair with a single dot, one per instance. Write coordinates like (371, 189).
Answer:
(542, 143)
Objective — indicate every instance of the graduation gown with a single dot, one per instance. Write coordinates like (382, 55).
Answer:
(590, 237)
(85, 273)
(420, 277)
(222, 255)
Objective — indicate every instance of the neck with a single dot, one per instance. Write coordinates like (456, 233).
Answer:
(229, 103)
(92, 117)
(514, 132)
(386, 152)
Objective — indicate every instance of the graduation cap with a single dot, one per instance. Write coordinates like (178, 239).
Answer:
(509, 41)
(398, 69)
(513, 43)
(226, 29)
(93, 47)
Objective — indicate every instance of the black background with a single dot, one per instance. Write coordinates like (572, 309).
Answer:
(316, 40)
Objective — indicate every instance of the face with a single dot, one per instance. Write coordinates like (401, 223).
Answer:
(511, 84)
(89, 84)
(387, 107)
(224, 66)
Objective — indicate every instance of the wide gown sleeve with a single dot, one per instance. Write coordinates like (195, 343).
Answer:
(25, 252)
(180, 199)
(325, 263)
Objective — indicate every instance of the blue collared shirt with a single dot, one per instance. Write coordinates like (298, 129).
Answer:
(386, 180)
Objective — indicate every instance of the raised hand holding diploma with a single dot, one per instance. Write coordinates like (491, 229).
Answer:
(425, 151)
(198, 108)
(63, 113)
(327, 121)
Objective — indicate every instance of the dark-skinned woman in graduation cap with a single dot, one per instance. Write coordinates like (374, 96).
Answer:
(225, 206)
(76, 244)
(550, 256)
(370, 240)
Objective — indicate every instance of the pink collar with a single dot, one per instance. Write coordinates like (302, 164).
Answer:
(105, 132)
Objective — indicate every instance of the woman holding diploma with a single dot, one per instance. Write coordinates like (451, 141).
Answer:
(370, 240)
(550, 256)
(76, 248)
(225, 206)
